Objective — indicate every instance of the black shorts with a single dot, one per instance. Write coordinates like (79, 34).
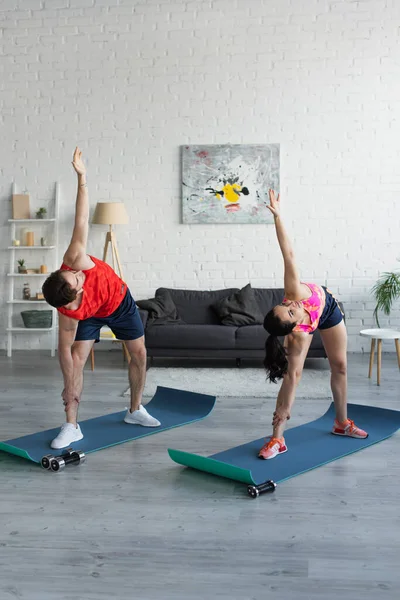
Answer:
(332, 313)
(124, 322)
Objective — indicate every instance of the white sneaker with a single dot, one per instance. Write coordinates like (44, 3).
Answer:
(141, 417)
(68, 434)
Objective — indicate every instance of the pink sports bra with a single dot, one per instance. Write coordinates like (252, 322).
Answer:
(314, 305)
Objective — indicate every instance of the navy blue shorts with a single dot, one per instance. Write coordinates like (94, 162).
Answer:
(332, 314)
(124, 322)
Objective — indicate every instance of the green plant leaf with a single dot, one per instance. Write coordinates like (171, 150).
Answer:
(386, 290)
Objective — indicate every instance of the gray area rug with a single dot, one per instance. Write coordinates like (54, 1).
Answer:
(233, 382)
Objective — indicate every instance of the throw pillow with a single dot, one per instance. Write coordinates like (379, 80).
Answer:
(161, 309)
(239, 308)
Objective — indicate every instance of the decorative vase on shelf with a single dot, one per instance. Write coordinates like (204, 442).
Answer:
(30, 238)
(26, 293)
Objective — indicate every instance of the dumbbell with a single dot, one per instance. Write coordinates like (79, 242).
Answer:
(46, 460)
(263, 488)
(57, 463)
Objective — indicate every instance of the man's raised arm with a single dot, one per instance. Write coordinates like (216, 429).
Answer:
(76, 256)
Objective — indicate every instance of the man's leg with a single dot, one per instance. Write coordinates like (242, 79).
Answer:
(138, 415)
(137, 370)
(80, 352)
(70, 432)
(127, 326)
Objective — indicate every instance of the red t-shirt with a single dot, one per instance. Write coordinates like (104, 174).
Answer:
(103, 292)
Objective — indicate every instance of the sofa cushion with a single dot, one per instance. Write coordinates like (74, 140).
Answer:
(194, 306)
(267, 298)
(251, 337)
(239, 308)
(144, 315)
(161, 309)
(191, 336)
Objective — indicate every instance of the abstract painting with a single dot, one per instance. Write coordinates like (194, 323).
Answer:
(229, 183)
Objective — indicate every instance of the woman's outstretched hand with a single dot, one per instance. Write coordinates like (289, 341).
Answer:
(77, 162)
(274, 203)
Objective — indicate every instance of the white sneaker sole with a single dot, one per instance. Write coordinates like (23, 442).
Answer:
(270, 457)
(142, 424)
(356, 437)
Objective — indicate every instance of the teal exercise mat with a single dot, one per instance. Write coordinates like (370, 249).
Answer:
(309, 446)
(171, 407)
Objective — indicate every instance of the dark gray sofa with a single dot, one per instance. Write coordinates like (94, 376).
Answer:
(201, 334)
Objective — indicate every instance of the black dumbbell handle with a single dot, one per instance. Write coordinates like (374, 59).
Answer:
(267, 486)
(71, 458)
(263, 488)
(59, 462)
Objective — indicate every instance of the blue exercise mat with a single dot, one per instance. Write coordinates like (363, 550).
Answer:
(171, 407)
(309, 446)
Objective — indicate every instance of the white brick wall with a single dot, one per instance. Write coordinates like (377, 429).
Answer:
(131, 81)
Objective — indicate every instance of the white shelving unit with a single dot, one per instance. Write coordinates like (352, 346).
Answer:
(14, 276)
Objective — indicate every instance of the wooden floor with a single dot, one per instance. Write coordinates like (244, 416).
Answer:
(130, 523)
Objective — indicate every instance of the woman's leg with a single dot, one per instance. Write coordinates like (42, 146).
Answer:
(335, 344)
(297, 352)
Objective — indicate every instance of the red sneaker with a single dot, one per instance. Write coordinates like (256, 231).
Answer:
(273, 447)
(348, 428)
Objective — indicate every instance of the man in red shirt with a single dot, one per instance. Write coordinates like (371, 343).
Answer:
(89, 294)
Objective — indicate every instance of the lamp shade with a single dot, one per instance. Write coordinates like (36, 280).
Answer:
(110, 213)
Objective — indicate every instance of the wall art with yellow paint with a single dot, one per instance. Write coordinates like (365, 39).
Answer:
(228, 183)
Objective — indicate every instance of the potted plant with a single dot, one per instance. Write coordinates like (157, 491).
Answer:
(21, 266)
(41, 213)
(386, 291)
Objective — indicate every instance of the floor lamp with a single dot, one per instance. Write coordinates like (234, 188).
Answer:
(111, 213)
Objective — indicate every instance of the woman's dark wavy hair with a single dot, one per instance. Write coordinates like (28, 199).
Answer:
(57, 291)
(275, 361)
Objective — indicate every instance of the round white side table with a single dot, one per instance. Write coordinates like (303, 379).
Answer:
(380, 334)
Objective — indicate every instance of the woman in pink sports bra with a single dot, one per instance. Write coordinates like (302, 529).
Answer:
(305, 308)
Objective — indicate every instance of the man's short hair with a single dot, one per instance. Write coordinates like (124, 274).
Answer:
(57, 291)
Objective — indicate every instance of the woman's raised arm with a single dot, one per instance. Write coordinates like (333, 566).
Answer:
(292, 282)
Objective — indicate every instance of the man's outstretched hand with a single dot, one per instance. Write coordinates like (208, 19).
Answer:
(77, 162)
